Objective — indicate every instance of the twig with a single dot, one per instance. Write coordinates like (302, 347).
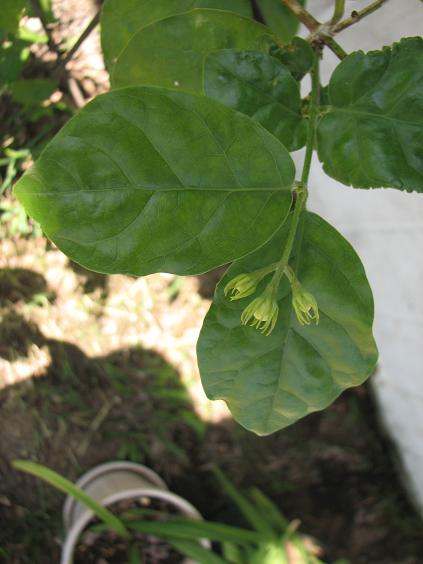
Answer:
(338, 11)
(302, 14)
(357, 16)
(75, 92)
(38, 11)
(93, 23)
(319, 32)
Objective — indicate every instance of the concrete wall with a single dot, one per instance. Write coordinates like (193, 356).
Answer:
(386, 228)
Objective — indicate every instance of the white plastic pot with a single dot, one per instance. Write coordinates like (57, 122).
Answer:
(110, 483)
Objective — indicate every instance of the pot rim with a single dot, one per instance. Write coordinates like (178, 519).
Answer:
(103, 469)
(73, 535)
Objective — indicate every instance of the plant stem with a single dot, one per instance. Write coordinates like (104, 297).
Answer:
(302, 14)
(38, 11)
(314, 107)
(338, 11)
(357, 16)
(319, 32)
(93, 23)
(301, 190)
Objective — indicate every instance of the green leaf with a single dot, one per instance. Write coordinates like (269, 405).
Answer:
(193, 550)
(253, 517)
(190, 530)
(171, 52)
(259, 86)
(63, 485)
(297, 56)
(122, 18)
(11, 61)
(149, 180)
(31, 92)
(271, 382)
(269, 510)
(372, 133)
(279, 18)
(11, 12)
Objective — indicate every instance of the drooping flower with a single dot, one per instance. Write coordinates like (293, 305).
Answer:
(262, 313)
(304, 304)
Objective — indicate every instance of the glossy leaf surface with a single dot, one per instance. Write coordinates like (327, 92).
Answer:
(146, 180)
(271, 382)
(171, 52)
(122, 18)
(279, 18)
(259, 86)
(372, 134)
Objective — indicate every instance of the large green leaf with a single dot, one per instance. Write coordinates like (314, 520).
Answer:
(122, 18)
(171, 52)
(279, 18)
(146, 180)
(260, 86)
(372, 133)
(271, 382)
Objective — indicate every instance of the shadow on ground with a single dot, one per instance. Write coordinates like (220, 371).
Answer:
(332, 470)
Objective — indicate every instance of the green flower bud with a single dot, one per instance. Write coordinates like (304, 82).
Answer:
(305, 305)
(262, 313)
(246, 284)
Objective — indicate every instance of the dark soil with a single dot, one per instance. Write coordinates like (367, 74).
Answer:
(106, 547)
(334, 470)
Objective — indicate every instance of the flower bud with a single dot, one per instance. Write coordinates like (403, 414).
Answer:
(246, 284)
(262, 313)
(304, 304)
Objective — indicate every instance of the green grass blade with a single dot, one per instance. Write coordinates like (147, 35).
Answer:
(192, 549)
(188, 530)
(250, 512)
(64, 485)
(269, 510)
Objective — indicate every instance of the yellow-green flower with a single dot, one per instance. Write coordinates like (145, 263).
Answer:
(262, 313)
(304, 304)
(246, 284)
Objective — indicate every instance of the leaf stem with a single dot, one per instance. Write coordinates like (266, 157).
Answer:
(357, 16)
(313, 113)
(301, 190)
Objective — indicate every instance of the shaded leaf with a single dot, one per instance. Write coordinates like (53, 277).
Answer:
(279, 18)
(259, 86)
(10, 15)
(148, 180)
(122, 18)
(31, 92)
(190, 530)
(372, 133)
(171, 52)
(67, 487)
(297, 56)
(271, 382)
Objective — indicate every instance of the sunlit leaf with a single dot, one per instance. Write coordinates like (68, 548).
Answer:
(148, 180)
(269, 382)
(122, 18)
(259, 86)
(171, 52)
(371, 135)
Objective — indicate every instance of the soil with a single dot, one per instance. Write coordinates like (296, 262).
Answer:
(107, 547)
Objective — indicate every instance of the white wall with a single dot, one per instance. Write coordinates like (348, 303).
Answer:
(386, 228)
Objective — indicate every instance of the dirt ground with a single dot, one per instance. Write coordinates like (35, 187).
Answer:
(95, 368)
